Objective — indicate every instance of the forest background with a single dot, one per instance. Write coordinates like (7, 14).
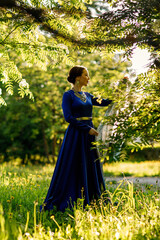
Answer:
(41, 40)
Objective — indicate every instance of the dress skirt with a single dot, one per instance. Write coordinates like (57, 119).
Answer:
(77, 173)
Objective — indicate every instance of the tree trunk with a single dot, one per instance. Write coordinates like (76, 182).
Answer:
(46, 148)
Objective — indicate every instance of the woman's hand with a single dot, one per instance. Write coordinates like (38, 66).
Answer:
(92, 131)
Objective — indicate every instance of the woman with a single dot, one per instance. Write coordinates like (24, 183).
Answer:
(77, 172)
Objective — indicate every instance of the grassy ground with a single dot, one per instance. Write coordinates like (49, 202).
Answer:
(22, 190)
(137, 169)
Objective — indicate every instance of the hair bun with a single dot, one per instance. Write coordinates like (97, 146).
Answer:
(70, 79)
(76, 71)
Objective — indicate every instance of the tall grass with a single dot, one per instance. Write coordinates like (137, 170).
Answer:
(22, 190)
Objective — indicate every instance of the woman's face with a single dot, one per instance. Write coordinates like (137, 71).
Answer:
(84, 78)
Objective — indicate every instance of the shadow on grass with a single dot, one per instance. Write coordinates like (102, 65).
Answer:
(112, 174)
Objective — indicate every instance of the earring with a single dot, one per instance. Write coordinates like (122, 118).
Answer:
(77, 82)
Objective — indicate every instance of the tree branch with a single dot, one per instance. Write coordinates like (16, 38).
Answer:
(43, 16)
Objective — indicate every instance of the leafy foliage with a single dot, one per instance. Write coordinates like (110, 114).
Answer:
(138, 119)
(33, 131)
(44, 34)
(76, 24)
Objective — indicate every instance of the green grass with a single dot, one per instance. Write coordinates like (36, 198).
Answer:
(136, 169)
(22, 190)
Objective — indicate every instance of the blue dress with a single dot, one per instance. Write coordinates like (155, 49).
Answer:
(78, 166)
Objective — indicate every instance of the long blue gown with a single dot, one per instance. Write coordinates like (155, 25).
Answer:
(78, 166)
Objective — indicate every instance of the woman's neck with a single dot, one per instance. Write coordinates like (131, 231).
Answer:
(77, 88)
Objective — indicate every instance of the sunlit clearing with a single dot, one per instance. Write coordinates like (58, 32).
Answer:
(140, 60)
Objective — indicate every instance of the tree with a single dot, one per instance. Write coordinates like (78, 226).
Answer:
(136, 125)
(33, 131)
(25, 24)
(43, 33)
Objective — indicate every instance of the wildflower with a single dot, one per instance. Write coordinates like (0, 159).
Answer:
(97, 233)
(117, 235)
(8, 201)
(110, 183)
(12, 197)
(24, 84)
(118, 226)
(27, 234)
(51, 233)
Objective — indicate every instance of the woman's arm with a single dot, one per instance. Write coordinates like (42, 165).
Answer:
(104, 102)
(66, 106)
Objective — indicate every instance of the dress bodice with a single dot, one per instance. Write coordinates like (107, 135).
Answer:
(73, 107)
(80, 108)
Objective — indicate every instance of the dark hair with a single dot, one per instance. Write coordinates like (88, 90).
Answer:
(76, 71)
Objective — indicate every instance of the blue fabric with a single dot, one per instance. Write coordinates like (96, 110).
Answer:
(77, 165)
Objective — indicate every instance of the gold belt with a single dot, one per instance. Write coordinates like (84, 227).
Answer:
(84, 118)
